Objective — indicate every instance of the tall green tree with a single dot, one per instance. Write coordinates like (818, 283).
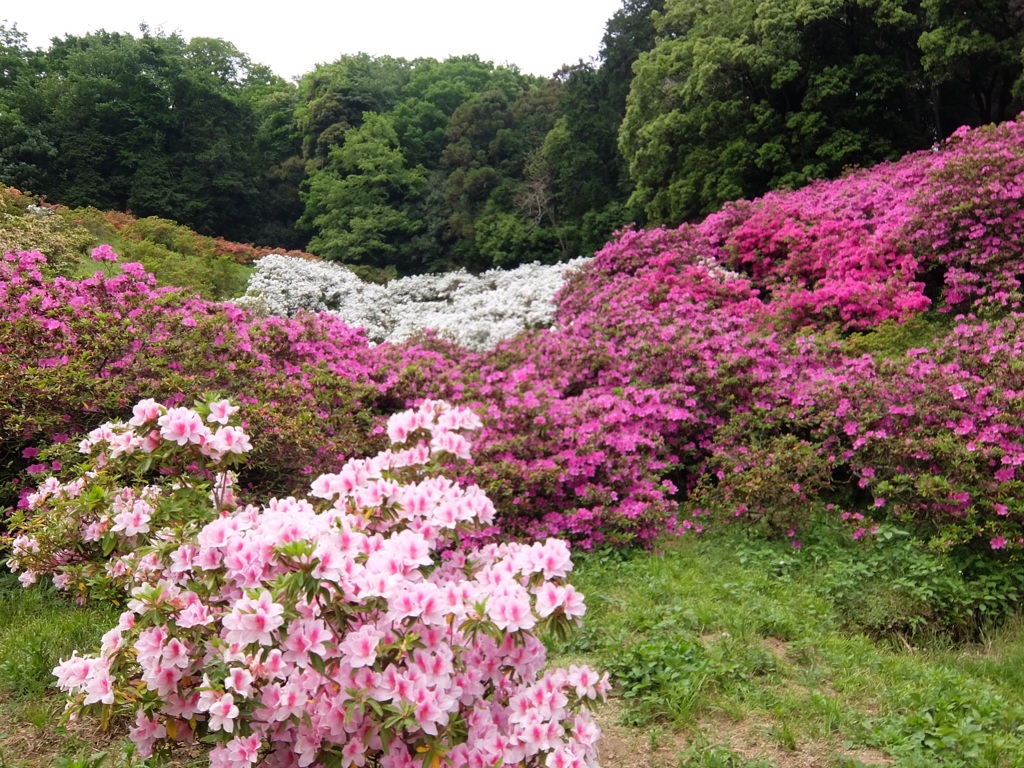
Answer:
(434, 91)
(334, 97)
(971, 53)
(26, 153)
(467, 126)
(589, 182)
(358, 202)
(164, 126)
(741, 96)
(493, 141)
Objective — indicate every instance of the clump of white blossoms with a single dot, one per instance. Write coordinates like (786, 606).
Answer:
(282, 285)
(476, 311)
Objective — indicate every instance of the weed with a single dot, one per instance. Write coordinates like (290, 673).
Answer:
(702, 754)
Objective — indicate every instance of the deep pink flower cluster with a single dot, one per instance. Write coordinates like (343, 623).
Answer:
(932, 440)
(969, 221)
(938, 228)
(103, 253)
(594, 428)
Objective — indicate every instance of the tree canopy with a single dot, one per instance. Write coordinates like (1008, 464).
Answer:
(741, 96)
(413, 165)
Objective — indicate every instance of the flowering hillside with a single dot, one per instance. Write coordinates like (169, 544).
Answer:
(850, 351)
(721, 364)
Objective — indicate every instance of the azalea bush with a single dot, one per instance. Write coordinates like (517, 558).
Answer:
(354, 626)
(931, 441)
(74, 354)
(163, 468)
(476, 311)
(969, 219)
(834, 253)
(26, 225)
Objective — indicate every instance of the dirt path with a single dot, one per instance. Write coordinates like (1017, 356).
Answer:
(660, 747)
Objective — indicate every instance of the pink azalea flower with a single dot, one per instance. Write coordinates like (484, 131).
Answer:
(511, 612)
(103, 253)
(242, 751)
(146, 732)
(182, 426)
(145, 411)
(221, 411)
(359, 648)
(222, 714)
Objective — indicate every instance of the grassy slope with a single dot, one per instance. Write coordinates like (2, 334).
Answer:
(732, 652)
(214, 268)
(726, 652)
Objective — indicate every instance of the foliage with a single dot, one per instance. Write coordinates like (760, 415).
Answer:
(159, 125)
(737, 98)
(26, 151)
(943, 723)
(958, 45)
(355, 201)
(422, 165)
(213, 267)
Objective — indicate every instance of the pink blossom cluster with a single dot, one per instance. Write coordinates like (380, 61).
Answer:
(88, 531)
(103, 253)
(935, 229)
(350, 627)
(593, 430)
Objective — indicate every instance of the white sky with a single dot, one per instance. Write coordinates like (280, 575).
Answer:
(292, 37)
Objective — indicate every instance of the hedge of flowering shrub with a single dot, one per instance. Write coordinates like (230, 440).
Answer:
(932, 440)
(724, 357)
(969, 220)
(937, 229)
(25, 225)
(351, 626)
(475, 311)
(76, 353)
(128, 230)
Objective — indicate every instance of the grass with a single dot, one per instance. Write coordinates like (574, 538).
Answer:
(726, 652)
(740, 653)
(37, 629)
(212, 278)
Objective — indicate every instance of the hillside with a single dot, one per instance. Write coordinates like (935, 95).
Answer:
(835, 369)
(669, 347)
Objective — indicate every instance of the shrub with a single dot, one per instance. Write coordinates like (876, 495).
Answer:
(476, 311)
(351, 627)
